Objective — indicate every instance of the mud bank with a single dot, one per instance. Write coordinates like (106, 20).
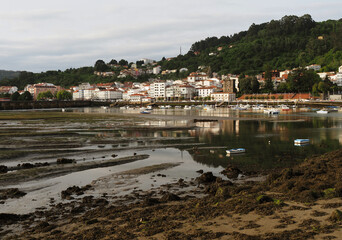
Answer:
(303, 202)
(62, 169)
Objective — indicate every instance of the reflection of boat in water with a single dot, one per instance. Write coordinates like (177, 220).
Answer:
(301, 142)
(236, 150)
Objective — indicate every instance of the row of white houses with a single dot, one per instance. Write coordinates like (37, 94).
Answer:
(159, 90)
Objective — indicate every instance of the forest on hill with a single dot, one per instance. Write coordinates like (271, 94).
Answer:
(8, 74)
(281, 44)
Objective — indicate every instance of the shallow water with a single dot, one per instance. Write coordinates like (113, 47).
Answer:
(269, 143)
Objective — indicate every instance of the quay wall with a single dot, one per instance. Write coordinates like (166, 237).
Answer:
(11, 105)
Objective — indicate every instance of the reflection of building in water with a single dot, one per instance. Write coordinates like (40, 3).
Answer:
(261, 127)
(237, 126)
(231, 126)
(209, 127)
(175, 123)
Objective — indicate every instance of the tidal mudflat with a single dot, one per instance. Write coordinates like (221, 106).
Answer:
(117, 175)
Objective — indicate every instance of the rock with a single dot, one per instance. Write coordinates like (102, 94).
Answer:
(264, 199)
(66, 194)
(207, 177)
(8, 218)
(149, 201)
(65, 161)
(169, 197)
(11, 193)
(3, 169)
(200, 171)
(27, 165)
(336, 216)
(231, 172)
(87, 199)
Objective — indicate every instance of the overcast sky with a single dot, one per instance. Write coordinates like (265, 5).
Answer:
(40, 35)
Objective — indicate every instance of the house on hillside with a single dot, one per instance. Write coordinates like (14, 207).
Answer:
(8, 89)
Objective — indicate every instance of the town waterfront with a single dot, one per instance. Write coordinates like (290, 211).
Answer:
(196, 139)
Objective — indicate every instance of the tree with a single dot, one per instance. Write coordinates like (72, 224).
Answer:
(45, 95)
(100, 66)
(302, 80)
(123, 62)
(245, 85)
(63, 95)
(255, 85)
(268, 87)
(26, 96)
(113, 62)
(15, 96)
(139, 63)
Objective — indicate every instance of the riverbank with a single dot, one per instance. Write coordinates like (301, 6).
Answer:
(303, 202)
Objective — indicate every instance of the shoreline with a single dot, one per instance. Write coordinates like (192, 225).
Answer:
(291, 204)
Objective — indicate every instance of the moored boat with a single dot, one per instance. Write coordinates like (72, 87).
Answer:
(236, 150)
(271, 111)
(322, 111)
(301, 141)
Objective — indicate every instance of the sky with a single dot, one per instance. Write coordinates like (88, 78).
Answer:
(41, 35)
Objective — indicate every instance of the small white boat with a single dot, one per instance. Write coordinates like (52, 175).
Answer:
(271, 111)
(301, 141)
(186, 107)
(145, 112)
(322, 111)
(149, 107)
(285, 108)
(236, 150)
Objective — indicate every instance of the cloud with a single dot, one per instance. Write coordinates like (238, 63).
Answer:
(38, 35)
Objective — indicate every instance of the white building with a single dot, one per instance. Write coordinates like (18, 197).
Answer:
(157, 89)
(339, 79)
(8, 89)
(156, 70)
(78, 95)
(314, 67)
(187, 91)
(146, 61)
(282, 73)
(205, 91)
(223, 97)
(89, 94)
(109, 94)
(193, 77)
(136, 98)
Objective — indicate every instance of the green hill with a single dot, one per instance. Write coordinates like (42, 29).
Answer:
(8, 74)
(280, 44)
